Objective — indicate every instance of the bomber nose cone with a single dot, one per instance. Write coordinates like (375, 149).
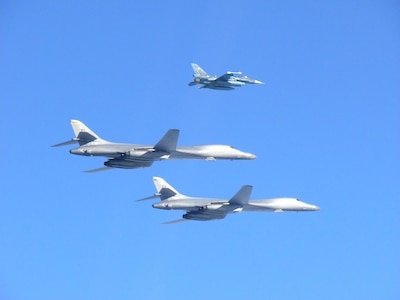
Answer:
(250, 156)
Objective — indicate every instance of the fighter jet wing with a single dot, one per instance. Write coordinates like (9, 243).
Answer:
(224, 77)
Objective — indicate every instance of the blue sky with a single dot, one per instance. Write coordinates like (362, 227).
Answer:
(325, 128)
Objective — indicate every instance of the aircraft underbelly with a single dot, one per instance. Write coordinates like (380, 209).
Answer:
(126, 164)
(220, 88)
(205, 215)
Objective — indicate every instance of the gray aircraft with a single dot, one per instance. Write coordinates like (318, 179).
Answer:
(205, 209)
(131, 156)
(228, 81)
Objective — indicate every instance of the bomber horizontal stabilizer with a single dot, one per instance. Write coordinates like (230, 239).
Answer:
(148, 198)
(73, 141)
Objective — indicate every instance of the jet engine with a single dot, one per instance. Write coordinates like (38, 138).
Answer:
(201, 216)
(126, 164)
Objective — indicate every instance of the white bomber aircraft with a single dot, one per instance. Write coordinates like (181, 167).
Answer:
(131, 156)
(205, 209)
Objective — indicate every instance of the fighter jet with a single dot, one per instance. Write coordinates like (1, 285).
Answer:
(228, 81)
(131, 156)
(206, 209)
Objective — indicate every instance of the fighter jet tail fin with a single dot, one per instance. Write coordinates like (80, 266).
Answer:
(83, 134)
(168, 141)
(164, 190)
(198, 71)
(242, 197)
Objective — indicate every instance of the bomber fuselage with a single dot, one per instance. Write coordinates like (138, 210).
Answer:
(135, 151)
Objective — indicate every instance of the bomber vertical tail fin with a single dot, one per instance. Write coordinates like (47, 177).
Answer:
(164, 190)
(83, 134)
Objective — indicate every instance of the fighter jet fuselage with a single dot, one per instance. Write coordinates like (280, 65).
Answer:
(228, 81)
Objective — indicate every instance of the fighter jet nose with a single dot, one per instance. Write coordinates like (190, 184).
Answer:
(252, 156)
(316, 207)
(258, 82)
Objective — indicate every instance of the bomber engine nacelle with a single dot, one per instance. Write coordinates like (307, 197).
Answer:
(200, 216)
(126, 164)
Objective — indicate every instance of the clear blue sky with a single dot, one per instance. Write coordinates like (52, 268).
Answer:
(325, 128)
